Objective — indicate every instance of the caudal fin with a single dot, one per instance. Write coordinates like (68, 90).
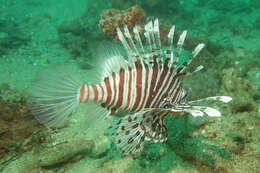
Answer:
(54, 95)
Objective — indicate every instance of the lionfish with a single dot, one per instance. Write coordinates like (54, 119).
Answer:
(147, 85)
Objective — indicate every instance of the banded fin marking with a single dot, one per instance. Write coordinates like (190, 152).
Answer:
(147, 36)
(157, 39)
(195, 113)
(129, 135)
(200, 110)
(124, 43)
(199, 68)
(134, 52)
(155, 128)
(180, 45)
(224, 99)
(197, 49)
(133, 130)
(194, 53)
(151, 33)
(153, 43)
(169, 53)
(138, 39)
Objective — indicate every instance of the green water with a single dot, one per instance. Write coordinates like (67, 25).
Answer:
(38, 34)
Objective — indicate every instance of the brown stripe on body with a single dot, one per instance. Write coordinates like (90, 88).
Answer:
(153, 81)
(87, 93)
(121, 88)
(161, 78)
(167, 94)
(129, 87)
(102, 92)
(146, 85)
(95, 92)
(108, 90)
(115, 90)
(163, 88)
(160, 82)
(139, 73)
(82, 93)
(176, 93)
(175, 88)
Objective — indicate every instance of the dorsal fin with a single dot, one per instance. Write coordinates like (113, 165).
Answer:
(153, 49)
(138, 40)
(169, 50)
(157, 39)
(112, 59)
(152, 34)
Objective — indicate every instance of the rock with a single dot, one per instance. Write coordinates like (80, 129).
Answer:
(64, 153)
(102, 147)
(3, 129)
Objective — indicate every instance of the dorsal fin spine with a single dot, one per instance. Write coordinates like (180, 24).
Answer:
(124, 42)
(180, 45)
(138, 39)
(132, 45)
(197, 50)
(169, 53)
(151, 32)
(194, 53)
(135, 49)
(147, 36)
(157, 37)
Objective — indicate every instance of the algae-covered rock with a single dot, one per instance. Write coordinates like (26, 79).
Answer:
(61, 154)
(102, 147)
(12, 36)
(17, 126)
(113, 18)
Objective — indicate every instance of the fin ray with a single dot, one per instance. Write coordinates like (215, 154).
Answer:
(54, 95)
(113, 61)
(133, 130)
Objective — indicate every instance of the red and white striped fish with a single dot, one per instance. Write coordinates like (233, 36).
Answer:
(146, 83)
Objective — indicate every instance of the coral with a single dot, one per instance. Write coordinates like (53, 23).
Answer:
(112, 18)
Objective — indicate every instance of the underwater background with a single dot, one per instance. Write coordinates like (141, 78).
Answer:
(35, 34)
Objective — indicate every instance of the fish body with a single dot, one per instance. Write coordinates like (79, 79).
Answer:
(147, 83)
(136, 87)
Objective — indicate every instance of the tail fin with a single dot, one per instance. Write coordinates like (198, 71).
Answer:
(55, 95)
